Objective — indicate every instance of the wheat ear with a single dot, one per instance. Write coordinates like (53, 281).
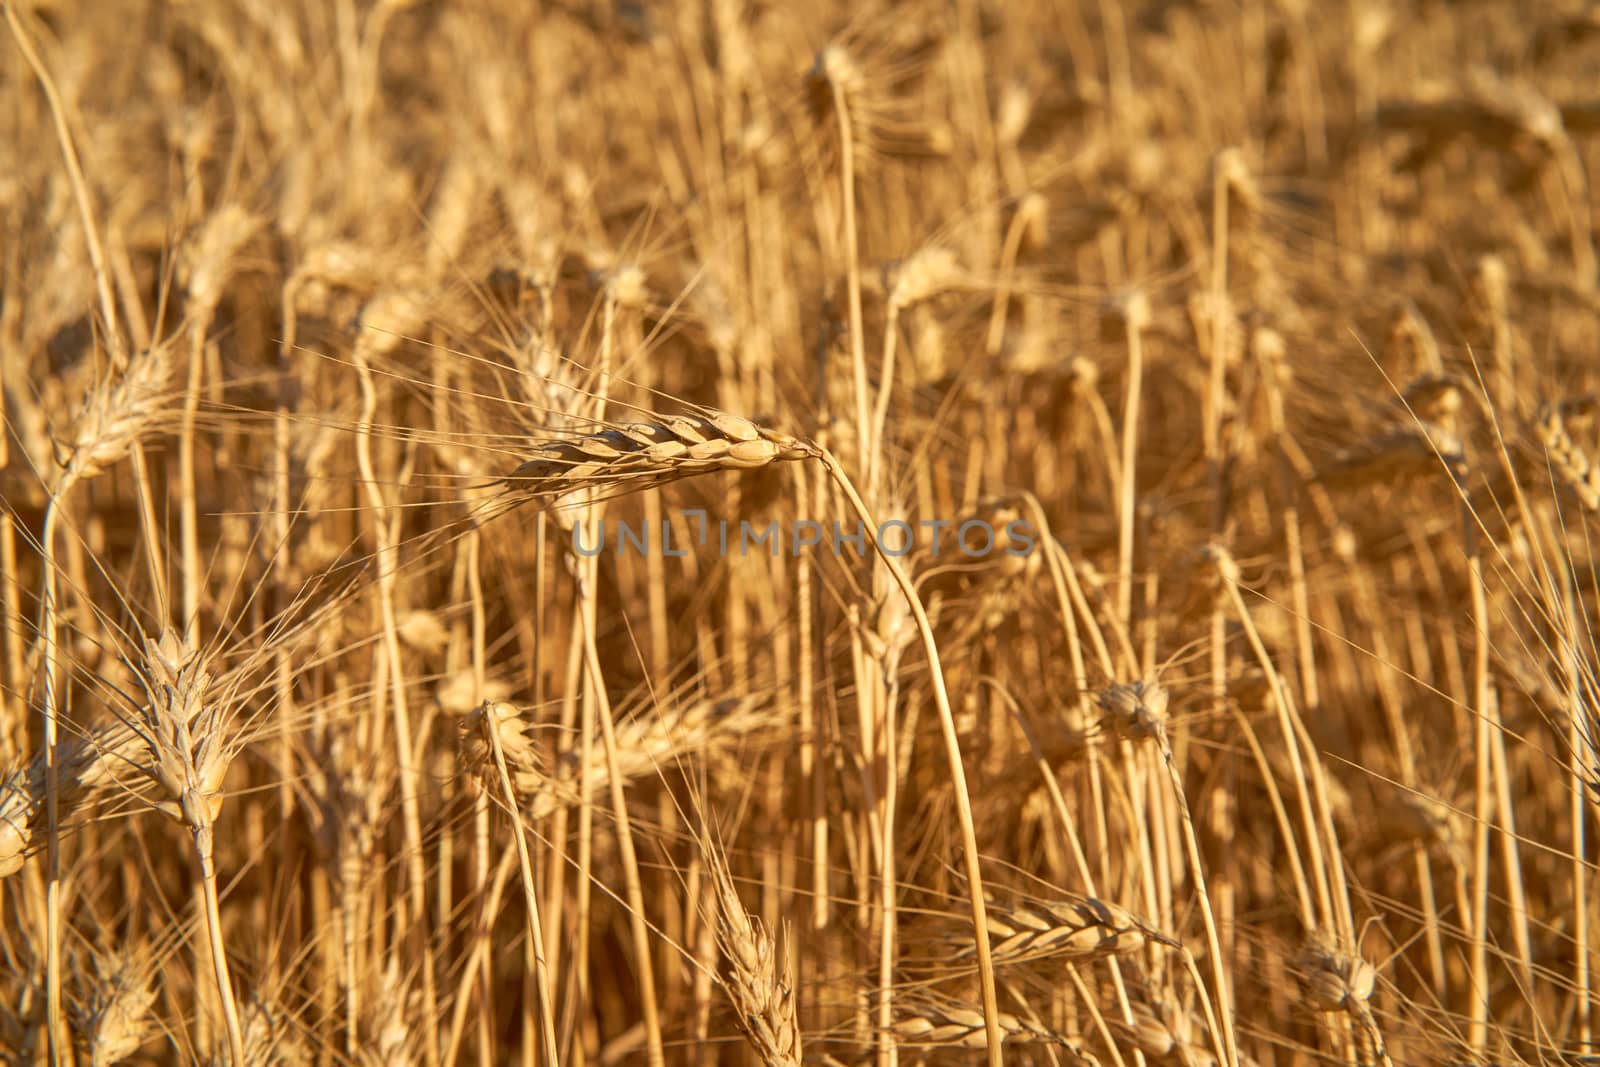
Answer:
(640, 455)
(1335, 981)
(182, 729)
(1568, 458)
(113, 418)
(949, 1024)
(757, 981)
(1073, 928)
(115, 1018)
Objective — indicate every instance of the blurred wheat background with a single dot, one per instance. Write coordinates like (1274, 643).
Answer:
(326, 327)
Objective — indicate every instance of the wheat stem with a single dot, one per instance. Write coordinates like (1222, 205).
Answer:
(1130, 477)
(1478, 982)
(847, 192)
(630, 861)
(952, 747)
(218, 951)
(405, 753)
(547, 1028)
(880, 407)
(189, 529)
(1221, 1029)
(52, 725)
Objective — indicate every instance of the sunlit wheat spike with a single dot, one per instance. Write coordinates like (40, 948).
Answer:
(118, 412)
(21, 800)
(937, 1023)
(1133, 710)
(115, 1018)
(271, 1034)
(23, 797)
(922, 276)
(209, 259)
(1434, 398)
(1334, 980)
(641, 454)
(492, 721)
(1077, 928)
(646, 744)
(182, 730)
(757, 980)
(1572, 465)
(1489, 107)
(1159, 1030)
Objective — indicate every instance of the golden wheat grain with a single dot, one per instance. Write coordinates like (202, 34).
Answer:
(89, 766)
(647, 744)
(182, 725)
(272, 1036)
(209, 260)
(510, 734)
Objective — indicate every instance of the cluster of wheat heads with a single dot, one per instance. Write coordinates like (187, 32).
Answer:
(713, 533)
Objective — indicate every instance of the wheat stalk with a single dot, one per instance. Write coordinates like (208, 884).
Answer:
(498, 728)
(836, 80)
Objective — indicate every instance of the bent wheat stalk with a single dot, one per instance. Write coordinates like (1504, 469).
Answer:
(952, 748)
(641, 455)
(388, 557)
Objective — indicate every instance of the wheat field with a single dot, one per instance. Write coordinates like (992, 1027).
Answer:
(721, 532)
